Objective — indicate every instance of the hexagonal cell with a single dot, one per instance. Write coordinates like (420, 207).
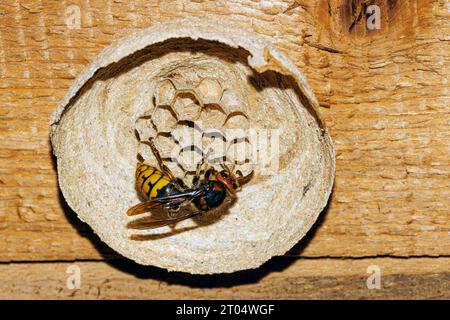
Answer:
(237, 120)
(191, 112)
(187, 133)
(166, 145)
(212, 116)
(145, 129)
(164, 118)
(210, 90)
(165, 93)
(185, 103)
(240, 151)
(146, 152)
(214, 146)
(190, 157)
(235, 134)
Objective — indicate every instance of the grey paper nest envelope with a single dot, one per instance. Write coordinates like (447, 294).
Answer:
(149, 85)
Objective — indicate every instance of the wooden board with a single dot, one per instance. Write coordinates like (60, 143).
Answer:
(384, 92)
(281, 278)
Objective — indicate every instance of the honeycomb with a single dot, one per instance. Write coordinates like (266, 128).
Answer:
(195, 125)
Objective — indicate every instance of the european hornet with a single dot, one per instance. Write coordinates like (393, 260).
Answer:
(162, 190)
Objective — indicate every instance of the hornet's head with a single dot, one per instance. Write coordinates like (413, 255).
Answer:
(229, 180)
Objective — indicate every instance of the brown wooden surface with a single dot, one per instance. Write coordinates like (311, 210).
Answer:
(386, 103)
(425, 278)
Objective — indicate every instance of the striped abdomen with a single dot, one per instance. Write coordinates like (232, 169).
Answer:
(152, 183)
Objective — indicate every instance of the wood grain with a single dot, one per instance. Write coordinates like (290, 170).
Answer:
(387, 109)
(281, 278)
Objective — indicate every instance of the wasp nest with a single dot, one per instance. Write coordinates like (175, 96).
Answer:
(206, 94)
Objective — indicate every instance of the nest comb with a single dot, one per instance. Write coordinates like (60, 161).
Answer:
(193, 124)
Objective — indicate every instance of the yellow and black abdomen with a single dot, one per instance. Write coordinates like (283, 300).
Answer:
(151, 182)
